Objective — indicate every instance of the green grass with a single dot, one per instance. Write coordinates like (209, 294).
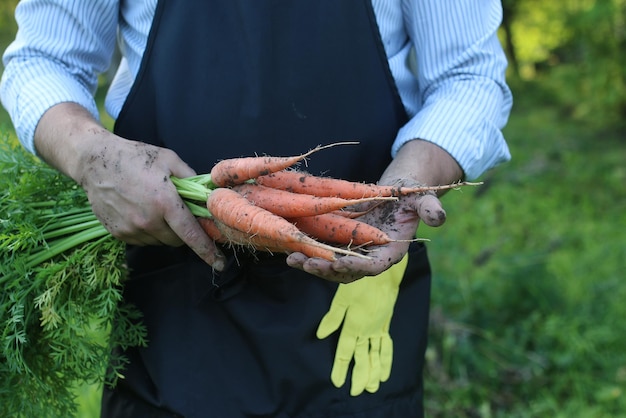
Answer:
(528, 312)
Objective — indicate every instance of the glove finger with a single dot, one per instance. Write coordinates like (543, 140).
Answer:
(373, 382)
(343, 356)
(331, 321)
(360, 372)
(373, 386)
(386, 357)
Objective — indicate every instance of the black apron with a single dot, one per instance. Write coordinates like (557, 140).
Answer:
(228, 78)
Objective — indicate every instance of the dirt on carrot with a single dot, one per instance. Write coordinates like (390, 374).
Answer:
(337, 229)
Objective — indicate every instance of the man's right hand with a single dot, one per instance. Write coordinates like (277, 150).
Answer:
(127, 182)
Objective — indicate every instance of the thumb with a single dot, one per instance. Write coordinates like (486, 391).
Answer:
(430, 210)
(331, 321)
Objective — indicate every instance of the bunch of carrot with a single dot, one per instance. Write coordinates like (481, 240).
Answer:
(261, 203)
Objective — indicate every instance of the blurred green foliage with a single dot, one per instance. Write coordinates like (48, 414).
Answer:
(7, 22)
(7, 7)
(528, 312)
(577, 46)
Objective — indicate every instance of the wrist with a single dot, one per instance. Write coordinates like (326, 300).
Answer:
(425, 163)
(66, 137)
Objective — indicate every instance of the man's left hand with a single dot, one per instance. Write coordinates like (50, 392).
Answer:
(398, 219)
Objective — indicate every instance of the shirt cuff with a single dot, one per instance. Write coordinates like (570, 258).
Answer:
(470, 133)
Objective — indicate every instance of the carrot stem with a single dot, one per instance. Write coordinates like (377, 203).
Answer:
(59, 246)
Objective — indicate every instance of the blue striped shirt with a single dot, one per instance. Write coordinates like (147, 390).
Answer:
(445, 57)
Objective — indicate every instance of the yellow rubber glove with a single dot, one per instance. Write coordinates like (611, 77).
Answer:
(365, 308)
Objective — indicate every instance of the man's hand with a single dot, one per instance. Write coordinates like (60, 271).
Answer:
(417, 163)
(399, 220)
(127, 182)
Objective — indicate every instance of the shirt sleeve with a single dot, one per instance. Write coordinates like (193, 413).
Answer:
(460, 66)
(60, 49)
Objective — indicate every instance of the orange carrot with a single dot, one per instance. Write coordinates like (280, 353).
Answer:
(211, 229)
(298, 182)
(234, 171)
(292, 205)
(338, 229)
(257, 242)
(226, 235)
(235, 211)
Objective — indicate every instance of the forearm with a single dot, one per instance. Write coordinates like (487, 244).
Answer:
(65, 136)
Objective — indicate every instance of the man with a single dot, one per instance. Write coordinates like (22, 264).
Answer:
(233, 335)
